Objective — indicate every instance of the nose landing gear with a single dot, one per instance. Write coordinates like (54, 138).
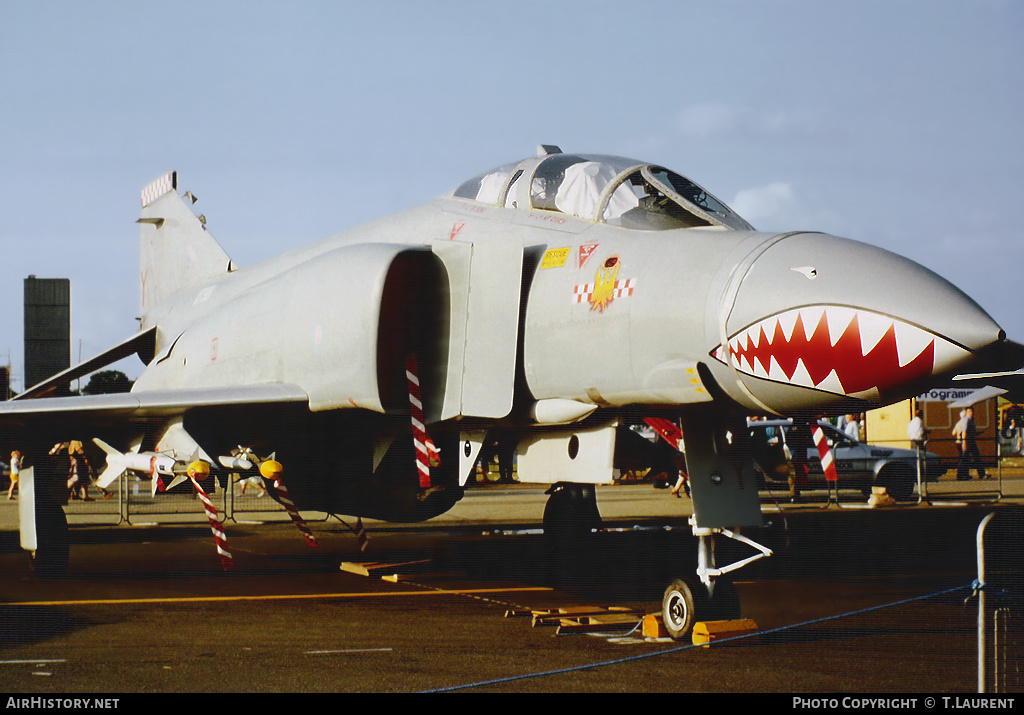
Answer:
(709, 597)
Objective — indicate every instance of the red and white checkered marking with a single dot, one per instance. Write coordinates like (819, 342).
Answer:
(156, 189)
(622, 289)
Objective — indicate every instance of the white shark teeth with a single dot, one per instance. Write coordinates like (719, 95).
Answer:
(837, 349)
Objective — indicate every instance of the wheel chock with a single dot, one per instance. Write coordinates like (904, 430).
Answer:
(654, 626)
(879, 497)
(706, 632)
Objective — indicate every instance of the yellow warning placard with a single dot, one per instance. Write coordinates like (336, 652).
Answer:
(555, 257)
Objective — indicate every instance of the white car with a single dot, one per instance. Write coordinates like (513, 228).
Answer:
(859, 465)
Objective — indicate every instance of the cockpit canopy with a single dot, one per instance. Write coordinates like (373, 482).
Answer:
(611, 189)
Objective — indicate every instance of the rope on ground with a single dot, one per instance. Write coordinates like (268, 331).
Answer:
(643, 656)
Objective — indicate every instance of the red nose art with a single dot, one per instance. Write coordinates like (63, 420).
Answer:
(837, 349)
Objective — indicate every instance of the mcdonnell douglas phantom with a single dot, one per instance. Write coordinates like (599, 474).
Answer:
(553, 300)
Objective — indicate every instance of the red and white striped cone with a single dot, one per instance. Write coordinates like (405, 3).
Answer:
(272, 470)
(828, 464)
(420, 439)
(201, 470)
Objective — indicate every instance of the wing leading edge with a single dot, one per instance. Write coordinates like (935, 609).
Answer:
(152, 404)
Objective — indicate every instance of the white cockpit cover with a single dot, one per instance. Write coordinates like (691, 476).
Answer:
(581, 189)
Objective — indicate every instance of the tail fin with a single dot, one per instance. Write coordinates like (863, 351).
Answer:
(175, 249)
(115, 467)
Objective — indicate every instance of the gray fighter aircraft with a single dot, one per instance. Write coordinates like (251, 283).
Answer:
(557, 299)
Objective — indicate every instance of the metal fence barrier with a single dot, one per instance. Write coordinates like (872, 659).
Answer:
(1005, 651)
(130, 500)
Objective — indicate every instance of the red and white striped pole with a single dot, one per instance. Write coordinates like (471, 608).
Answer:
(420, 439)
(272, 470)
(201, 470)
(828, 464)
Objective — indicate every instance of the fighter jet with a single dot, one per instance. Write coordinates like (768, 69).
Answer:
(555, 300)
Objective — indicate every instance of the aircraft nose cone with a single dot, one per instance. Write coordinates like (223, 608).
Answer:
(817, 311)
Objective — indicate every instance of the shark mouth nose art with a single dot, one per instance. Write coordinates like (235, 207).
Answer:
(837, 349)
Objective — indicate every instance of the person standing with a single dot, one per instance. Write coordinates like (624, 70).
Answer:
(971, 453)
(852, 428)
(916, 432)
(958, 437)
(15, 472)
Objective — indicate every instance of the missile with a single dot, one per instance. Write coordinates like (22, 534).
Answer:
(234, 462)
(151, 463)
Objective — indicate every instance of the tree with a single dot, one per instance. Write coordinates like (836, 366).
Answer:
(107, 381)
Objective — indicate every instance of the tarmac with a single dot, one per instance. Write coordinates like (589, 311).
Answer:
(147, 608)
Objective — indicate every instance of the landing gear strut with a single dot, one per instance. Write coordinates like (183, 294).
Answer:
(709, 597)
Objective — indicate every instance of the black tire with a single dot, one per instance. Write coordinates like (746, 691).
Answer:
(571, 513)
(678, 609)
(899, 481)
(725, 604)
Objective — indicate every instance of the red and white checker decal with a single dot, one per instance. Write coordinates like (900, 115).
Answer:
(220, 538)
(156, 189)
(828, 464)
(838, 349)
(582, 294)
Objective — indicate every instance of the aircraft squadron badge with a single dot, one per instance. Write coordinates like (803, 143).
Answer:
(606, 286)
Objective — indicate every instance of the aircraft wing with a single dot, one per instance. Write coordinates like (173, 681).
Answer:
(56, 414)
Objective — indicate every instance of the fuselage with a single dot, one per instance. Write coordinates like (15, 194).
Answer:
(611, 314)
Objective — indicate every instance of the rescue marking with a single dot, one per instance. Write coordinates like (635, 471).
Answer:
(456, 229)
(555, 257)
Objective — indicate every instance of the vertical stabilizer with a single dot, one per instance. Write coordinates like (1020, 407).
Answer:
(175, 249)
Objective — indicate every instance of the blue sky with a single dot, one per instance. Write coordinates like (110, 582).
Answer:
(897, 123)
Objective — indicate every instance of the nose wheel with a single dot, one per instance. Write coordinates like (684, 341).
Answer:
(678, 609)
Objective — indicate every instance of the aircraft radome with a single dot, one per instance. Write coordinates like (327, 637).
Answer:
(554, 301)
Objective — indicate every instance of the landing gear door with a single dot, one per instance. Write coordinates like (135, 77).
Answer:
(485, 280)
(721, 469)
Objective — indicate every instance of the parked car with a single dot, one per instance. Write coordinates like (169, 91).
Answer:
(859, 465)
